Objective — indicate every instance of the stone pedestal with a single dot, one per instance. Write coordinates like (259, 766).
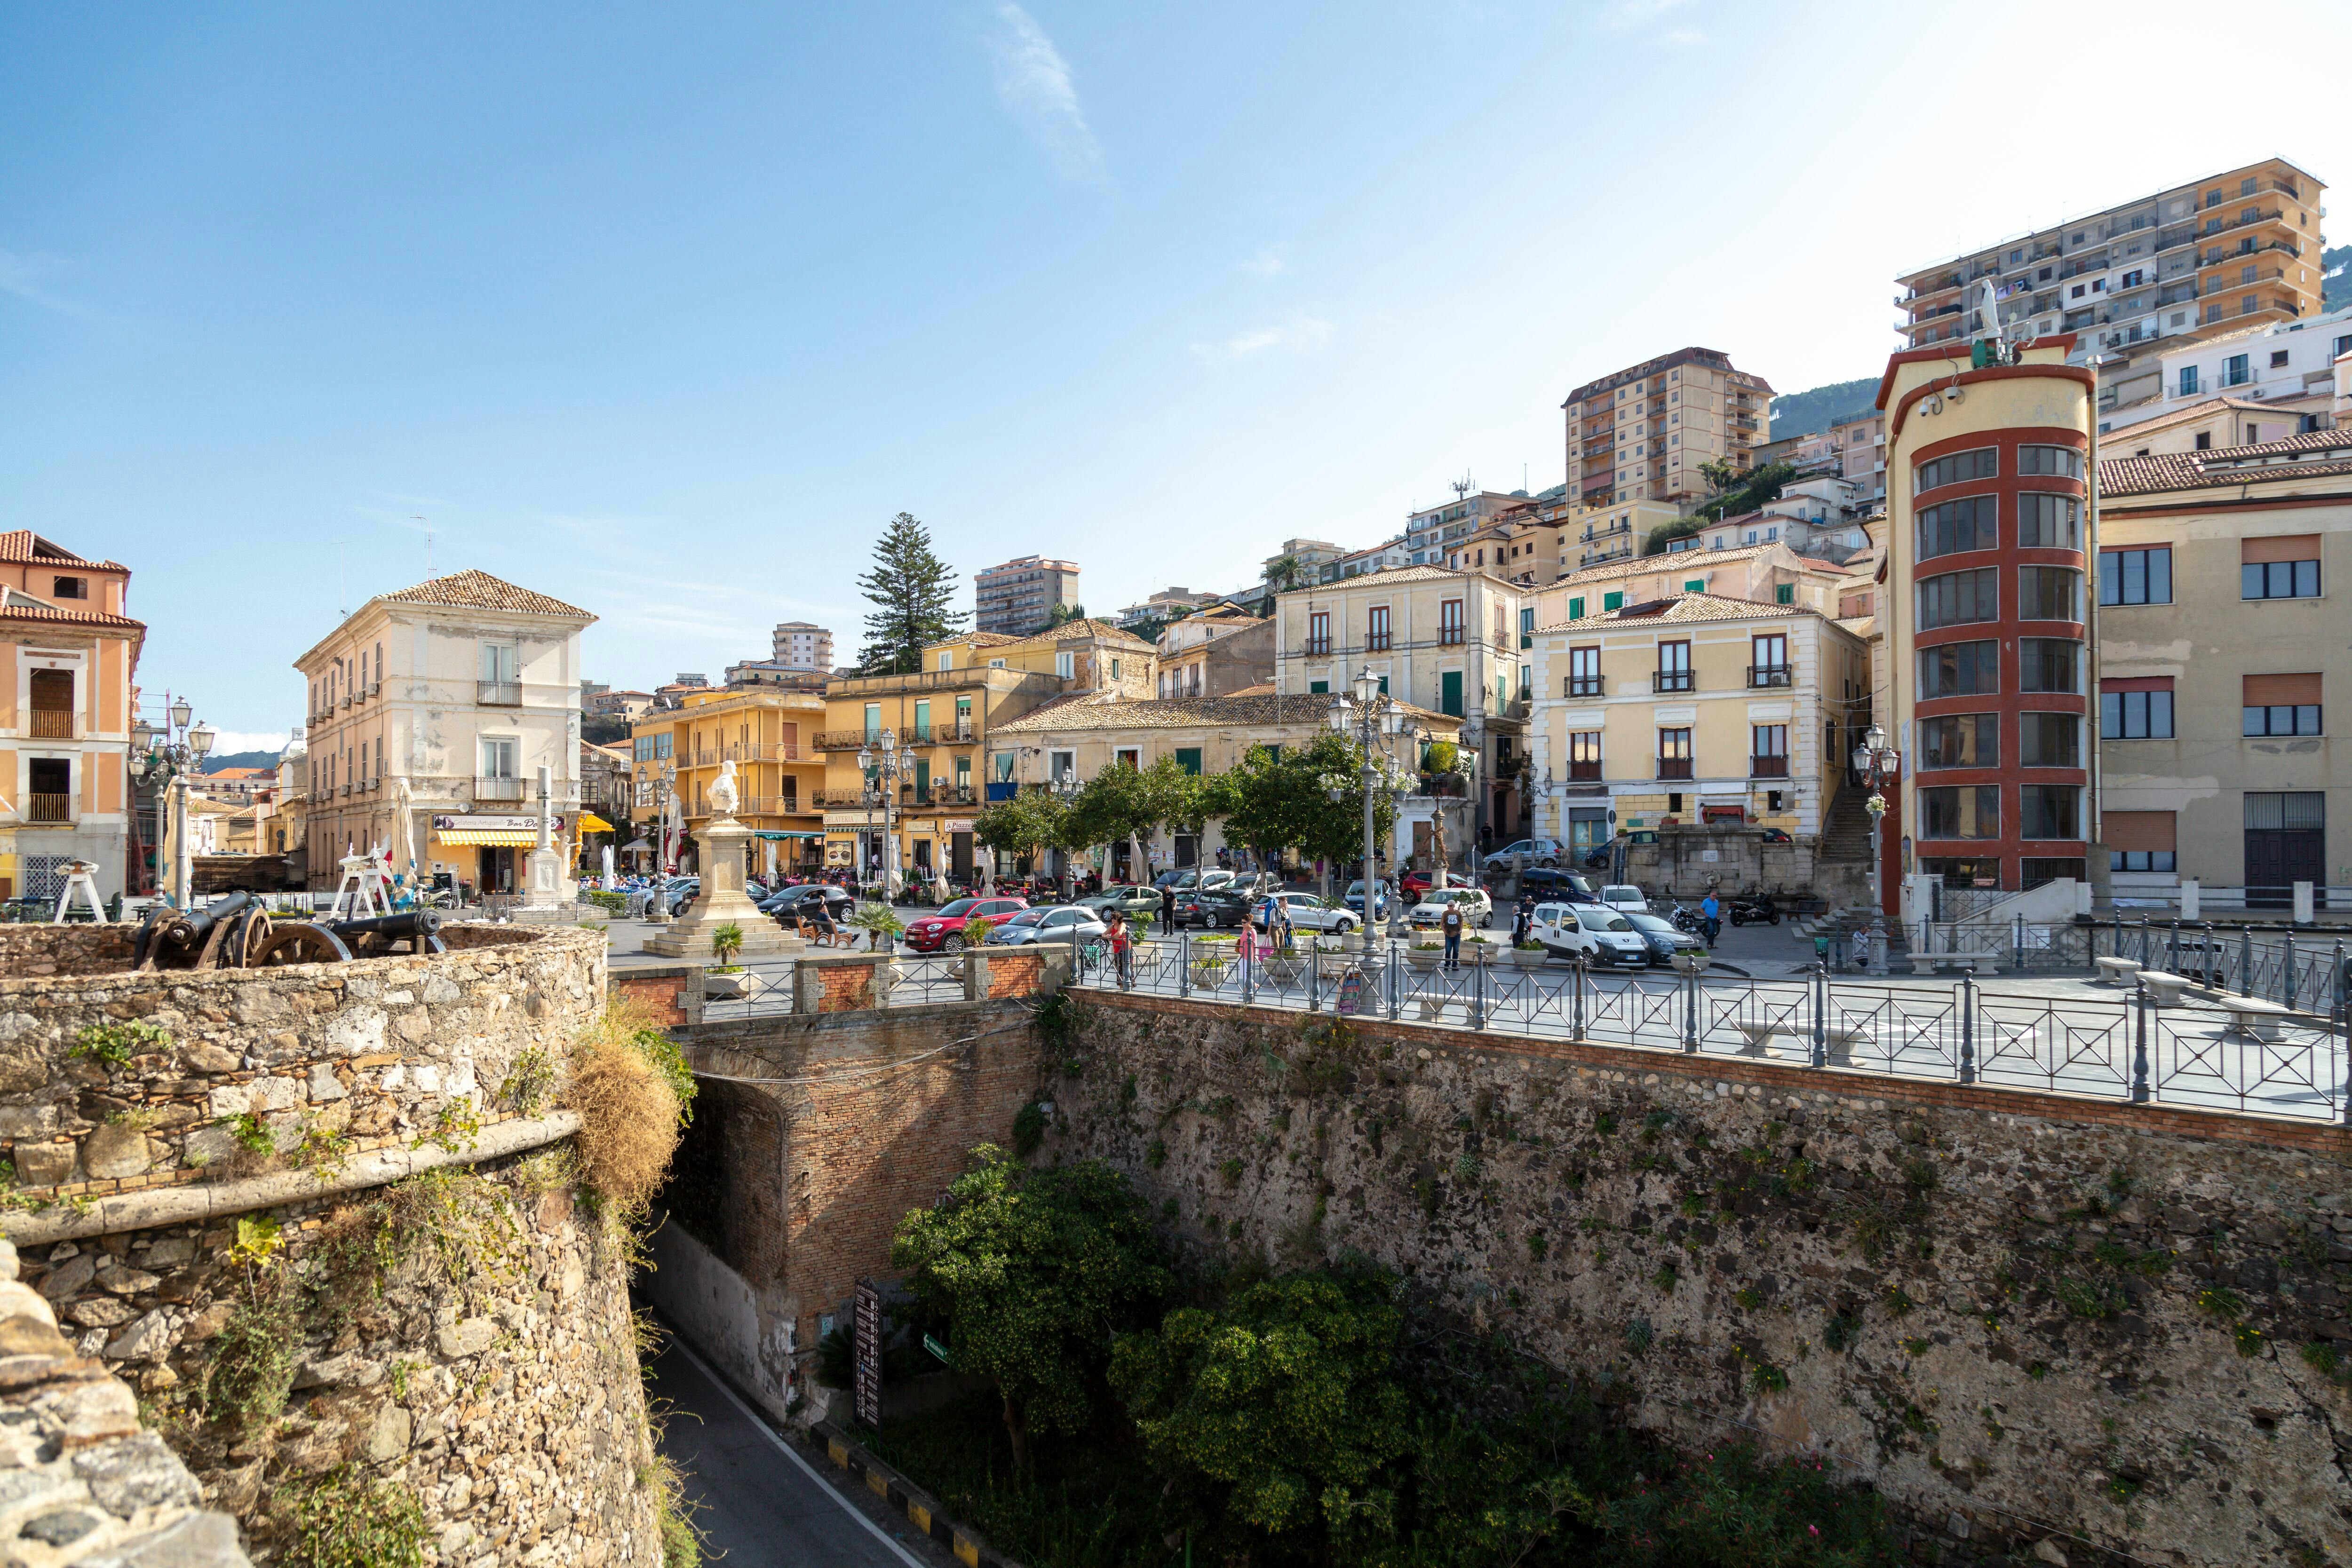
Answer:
(723, 902)
(544, 882)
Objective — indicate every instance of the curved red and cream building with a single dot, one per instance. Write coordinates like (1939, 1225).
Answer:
(1986, 620)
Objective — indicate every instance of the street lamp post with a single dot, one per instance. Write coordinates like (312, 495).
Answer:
(165, 758)
(879, 763)
(1378, 722)
(1877, 764)
(1067, 788)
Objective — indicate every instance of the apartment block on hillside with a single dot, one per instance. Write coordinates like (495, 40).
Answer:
(1642, 431)
(1020, 597)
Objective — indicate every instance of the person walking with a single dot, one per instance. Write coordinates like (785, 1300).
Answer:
(1710, 915)
(1526, 919)
(1121, 941)
(1451, 925)
(1168, 911)
(1245, 946)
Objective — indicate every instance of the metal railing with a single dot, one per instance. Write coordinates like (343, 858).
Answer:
(1584, 685)
(772, 986)
(2307, 974)
(1673, 767)
(1768, 768)
(847, 739)
(1674, 681)
(498, 694)
(45, 808)
(1769, 675)
(51, 724)
(497, 789)
(2121, 1047)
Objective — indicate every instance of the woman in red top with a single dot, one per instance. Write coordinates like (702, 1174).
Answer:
(1119, 950)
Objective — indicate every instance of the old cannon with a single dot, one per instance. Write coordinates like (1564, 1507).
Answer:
(237, 932)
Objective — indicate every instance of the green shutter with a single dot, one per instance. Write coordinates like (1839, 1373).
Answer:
(1786, 593)
(1697, 585)
(1449, 693)
(1384, 685)
(1613, 602)
(1576, 609)
(922, 776)
(923, 720)
(1318, 685)
(1188, 757)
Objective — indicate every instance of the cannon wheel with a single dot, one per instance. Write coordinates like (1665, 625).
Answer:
(298, 942)
(246, 940)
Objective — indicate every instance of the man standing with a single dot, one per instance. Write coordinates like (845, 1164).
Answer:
(1710, 915)
(1451, 924)
(1168, 910)
(1526, 919)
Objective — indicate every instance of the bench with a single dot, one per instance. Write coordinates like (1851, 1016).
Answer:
(2163, 991)
(2253, 1017)
(1839, 1042)
(1923, 963)
(2118, 972)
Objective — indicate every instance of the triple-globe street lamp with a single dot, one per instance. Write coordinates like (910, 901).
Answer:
(1878, 764)
(166, 759)
(880, 763)
(1379, 724)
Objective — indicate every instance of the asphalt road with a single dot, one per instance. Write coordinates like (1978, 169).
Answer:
(765, 1502)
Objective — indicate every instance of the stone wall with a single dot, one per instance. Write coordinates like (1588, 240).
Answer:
(324, 1218)
(2033, 1321)
(812, 1134)
(39, 950)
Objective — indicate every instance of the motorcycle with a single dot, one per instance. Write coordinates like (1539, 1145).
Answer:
(1759, 910)
(1688, 920)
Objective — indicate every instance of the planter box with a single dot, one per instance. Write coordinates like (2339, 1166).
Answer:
(1207, 979)
(1426, 963)
(1283, 973)
(727, 988)
(1530, 960)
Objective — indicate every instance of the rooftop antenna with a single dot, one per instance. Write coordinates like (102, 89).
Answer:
(428, 548)
(1462, 487)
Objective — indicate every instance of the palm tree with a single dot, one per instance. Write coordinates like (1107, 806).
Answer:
(1282, 573)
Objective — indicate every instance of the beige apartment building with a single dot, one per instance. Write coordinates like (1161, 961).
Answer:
(2220, 652)
(1693, 709)
(1020, 597)
(2233, 250)
(431, 712)
(1450, 641)
(1216, 654)
(803, 645)
(770, 737)
(1642, 431)
(1764, 573)
(1080, 735)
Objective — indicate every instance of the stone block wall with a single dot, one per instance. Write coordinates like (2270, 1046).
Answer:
(793, 1179)
(35, 951)
(331, 1059)
(2027, 1319)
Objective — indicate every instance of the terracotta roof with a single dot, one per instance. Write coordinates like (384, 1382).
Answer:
(2314, 453)
(24, 546)
(240, 773)
(1086, 626)
(1665, 560)
(1394, 574)
(1259, 705)
(2193, 411)
(475, 589)
(1263, 689)
(1688, 607)
(71, 617)
(985, 639)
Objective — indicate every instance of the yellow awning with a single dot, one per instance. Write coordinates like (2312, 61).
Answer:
(487, 840)
(590, 822)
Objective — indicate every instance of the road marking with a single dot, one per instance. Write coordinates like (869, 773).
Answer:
(785, 1449)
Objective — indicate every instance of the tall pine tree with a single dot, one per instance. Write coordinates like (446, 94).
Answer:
(912, 589)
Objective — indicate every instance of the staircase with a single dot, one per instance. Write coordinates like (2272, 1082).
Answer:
(1846, 835)
(1840, 925)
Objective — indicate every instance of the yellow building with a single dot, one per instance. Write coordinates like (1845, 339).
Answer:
(939, 721)
(1764, 573)
(1693, 709)
(1642, 431)
(769, 734)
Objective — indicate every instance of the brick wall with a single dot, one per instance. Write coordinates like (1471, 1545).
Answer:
(798, 1183)
(2013, 1314)
(658, 991)
(1015, 974)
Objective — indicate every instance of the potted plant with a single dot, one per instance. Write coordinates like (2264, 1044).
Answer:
(1213, 962)
(1482, 949)
(1530, 955)
(725, 943)
(1425, 955)
(880, 923)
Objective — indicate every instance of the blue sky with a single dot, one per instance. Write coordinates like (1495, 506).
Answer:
(665, 310)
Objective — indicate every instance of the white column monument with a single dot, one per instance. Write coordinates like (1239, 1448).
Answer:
(722, 901)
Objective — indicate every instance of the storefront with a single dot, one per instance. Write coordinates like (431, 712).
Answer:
(490, 852)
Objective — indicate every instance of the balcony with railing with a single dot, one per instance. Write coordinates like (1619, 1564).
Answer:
(1316, 647)
(495, 791)
(44, 808)
(1584, 685)
(1675, 680)
(1576, 770)
(496, 694)
(1768, 768)
(1622, 526)
(1376, 643)
(849, 740)
(1769, 675)
(1673, 767)
(770, 806)
(1449, 636)
(51, 724)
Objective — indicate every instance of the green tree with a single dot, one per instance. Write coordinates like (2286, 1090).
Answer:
(1282, 573)
(1031, 822)
(1273, 803)
(1034, 1271)
(1284, 1412)
(1124, 803)
(912, 589)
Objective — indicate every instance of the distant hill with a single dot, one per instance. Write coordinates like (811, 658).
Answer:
(218, 761)
(2336, 278)
(1804, 413)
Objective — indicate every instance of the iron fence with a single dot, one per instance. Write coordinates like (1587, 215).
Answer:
(2124, 1047)
(2307, 974)
(767, 987)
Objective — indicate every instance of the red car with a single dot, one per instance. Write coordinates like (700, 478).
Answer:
(1415, 883)
(943, 932)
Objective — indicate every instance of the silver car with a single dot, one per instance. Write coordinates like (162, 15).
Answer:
(1308, 912)
(1058, 922)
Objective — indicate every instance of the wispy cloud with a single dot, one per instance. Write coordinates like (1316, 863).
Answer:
(1642, 17)
(1266, 263)
(1299, 333)
(20, 274)
(1034, 81)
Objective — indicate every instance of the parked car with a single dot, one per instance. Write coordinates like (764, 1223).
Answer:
(1199, 878)
(1132, 898)
(1476, 907)
(943, 932)
(1623, 895)
(1062, 922)
(1540, 852)
(1560, 886)
(1308, 912)
(838, 899)
(1414, 883)
(1603, 935)
(1218, 907)
(1663, 939)
(1381, 899)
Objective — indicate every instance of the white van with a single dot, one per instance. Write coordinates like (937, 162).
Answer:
(1601, 933)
